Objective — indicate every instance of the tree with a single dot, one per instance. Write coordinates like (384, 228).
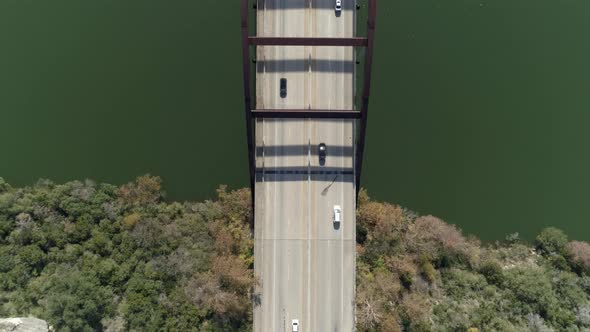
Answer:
(144, 191)
(73, 300)
(552, 241)
(4, 187)
(440, 242)
(580, 255)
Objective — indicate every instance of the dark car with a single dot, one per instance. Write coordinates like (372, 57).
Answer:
(283, 87)
(322, 153)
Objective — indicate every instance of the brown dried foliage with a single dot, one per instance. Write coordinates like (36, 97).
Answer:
(145, 190)
(233, 274)
(402, 265)
(377, 294)
(429, 235)
(369, 312)
(225, 289)
(387, 285)
(390, 324)
(381, 219)
(415, 307)
(224, 242)
(236, 204)
(580, 254)
(130, 220)
(205, 292)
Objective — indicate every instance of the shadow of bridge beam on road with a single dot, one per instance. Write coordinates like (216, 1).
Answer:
(304, 65)
(303, 173)
(302, 150)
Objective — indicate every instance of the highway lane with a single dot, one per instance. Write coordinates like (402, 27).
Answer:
(304, 262)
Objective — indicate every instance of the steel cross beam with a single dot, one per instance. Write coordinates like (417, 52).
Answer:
(306, 114)
(366, 92)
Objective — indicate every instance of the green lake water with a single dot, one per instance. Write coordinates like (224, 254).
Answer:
(479, 109)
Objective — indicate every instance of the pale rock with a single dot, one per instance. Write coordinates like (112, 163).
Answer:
(23, 324)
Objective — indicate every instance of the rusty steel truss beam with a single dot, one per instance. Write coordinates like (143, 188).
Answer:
(248, 102)
(308, 41)
(306, 114)
(367, 42)
(360, 151)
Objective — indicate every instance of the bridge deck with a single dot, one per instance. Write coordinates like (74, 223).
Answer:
(305, 263)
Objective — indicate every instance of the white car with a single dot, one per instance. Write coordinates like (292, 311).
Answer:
(295, 325)
(338, 6)
(337, 213)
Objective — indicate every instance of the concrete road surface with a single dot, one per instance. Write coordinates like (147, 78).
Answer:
(305, 262)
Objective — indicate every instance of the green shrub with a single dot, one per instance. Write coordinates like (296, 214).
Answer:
(91, 257)
(460, 283)
(552, 241)
(6, 226)
(559, 262)
(427, 270)
(531, 288)
(361, 233)
(512, 238)
(73, 300)
(4, 187)
(492, 271)
(584, 283)
(406, 279)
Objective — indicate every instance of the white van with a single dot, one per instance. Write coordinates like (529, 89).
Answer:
(338, 6)
(337, 213)
(295, 325)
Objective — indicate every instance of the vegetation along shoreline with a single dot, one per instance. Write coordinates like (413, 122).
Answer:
(88, 256)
